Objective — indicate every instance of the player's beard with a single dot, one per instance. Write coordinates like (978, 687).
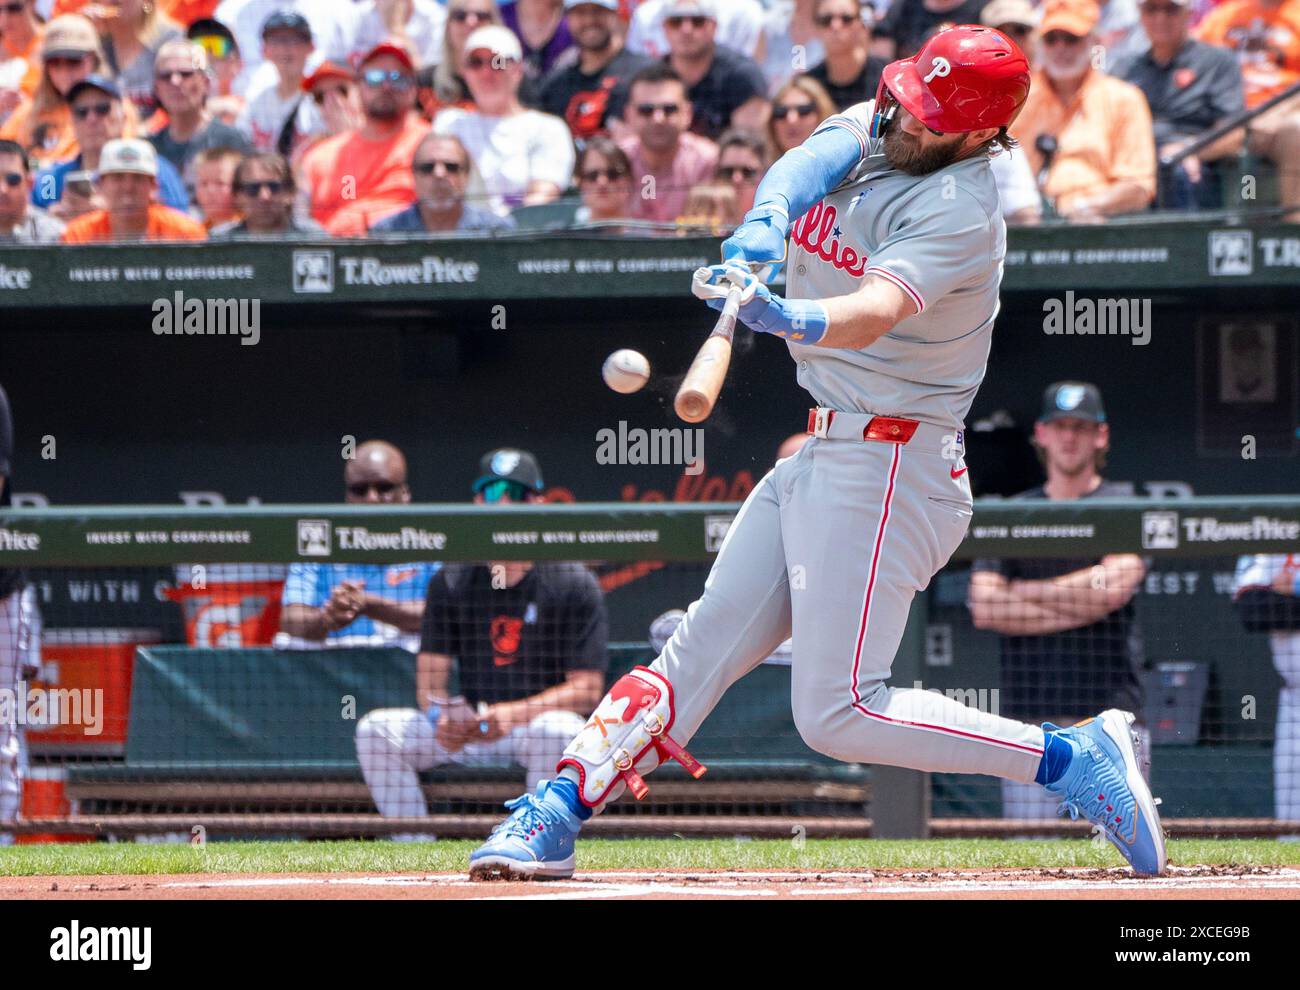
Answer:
(904, 152)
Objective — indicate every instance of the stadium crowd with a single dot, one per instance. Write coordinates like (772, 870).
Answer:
(195, 119)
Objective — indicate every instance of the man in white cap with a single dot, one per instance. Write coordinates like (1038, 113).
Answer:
(127, 181)
(1014, 18)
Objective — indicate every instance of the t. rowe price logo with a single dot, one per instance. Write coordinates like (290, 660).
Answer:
(810, 232)
(1208, 529)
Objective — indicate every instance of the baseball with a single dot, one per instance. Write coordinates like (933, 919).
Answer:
(626, 371)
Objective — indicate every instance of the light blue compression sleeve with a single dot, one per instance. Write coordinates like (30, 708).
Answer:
(800, 178)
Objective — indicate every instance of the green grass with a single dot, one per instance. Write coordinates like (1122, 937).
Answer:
(612, 854)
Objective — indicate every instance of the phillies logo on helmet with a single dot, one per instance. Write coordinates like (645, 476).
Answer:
(939, 67)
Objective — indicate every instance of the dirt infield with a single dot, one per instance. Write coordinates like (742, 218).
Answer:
(1199, 883)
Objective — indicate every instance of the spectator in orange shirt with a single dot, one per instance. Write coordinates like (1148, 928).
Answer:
(20, 38)
(1088, 136)
(364, 175)
(128, 170)
(43, 125)
(1265, 34)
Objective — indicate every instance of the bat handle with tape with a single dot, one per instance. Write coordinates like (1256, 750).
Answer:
(699, 389)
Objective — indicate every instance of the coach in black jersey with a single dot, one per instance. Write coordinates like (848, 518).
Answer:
(527, 644)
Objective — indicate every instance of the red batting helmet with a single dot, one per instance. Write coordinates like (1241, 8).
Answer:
(965, 78)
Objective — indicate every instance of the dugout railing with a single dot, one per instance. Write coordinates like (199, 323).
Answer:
(195, 716)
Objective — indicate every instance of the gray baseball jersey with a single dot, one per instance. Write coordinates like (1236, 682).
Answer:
(941, 239)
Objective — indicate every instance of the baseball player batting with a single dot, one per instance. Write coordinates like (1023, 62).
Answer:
(895, 261)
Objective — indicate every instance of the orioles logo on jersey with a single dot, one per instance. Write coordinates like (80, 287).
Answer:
(811, 231)
(506, 631)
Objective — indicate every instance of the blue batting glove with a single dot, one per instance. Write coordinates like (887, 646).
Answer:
(801, 320)
(759, 241)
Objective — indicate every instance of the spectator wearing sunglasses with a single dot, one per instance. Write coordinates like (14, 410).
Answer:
(591, 93)
(742, 162)
(1190, 87)
(183, 85)
(363, 175)
(131, 32)
(464, 17)
(725, 88)
(791, 42)
(1014, 18)
(740, 28)
(907, 23)
(603, 176)
(529, 645)
(850, 73)
(798, 107)
(279, 117)
(224, 64)
(338, 605)
(21, 37)
(1104, 158)
(263, 192)
(443, 171)
(19, 220)
(667, 159)
(99, 114)
(524, 157)
(43, 124)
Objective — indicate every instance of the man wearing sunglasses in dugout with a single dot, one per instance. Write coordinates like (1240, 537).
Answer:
(98, 116)
(182, 85)
(442, 173)
(333, 605)
(850, 73)
(528, 642)
(359, 177)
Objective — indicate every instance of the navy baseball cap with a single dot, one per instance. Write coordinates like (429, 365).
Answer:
(1078, 400)
(101, 83)
(508, 464)
(287, 20)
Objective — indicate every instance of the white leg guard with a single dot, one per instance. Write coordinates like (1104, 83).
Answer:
(630, 721)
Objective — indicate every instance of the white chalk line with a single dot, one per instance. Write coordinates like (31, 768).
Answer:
(632, 883)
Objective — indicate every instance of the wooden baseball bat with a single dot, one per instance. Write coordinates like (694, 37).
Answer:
(699, 389)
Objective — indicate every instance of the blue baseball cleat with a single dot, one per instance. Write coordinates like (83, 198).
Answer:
(1104, 783)
(534, 843)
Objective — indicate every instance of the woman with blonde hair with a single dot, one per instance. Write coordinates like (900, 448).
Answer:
(449, 87)
(43, 124)
(798, 107)
(131, 32)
